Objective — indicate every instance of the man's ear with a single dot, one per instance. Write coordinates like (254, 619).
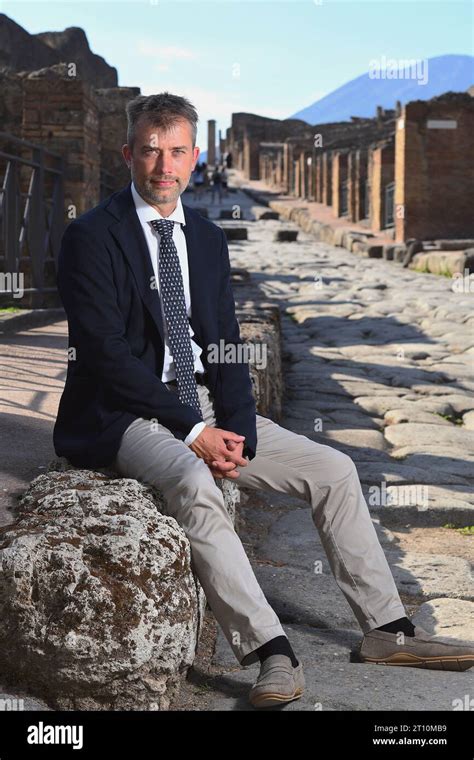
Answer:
(126, 155)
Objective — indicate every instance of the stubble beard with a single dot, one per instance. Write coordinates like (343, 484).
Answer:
(152, 194)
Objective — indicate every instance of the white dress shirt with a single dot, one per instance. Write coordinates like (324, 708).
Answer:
(145, 214)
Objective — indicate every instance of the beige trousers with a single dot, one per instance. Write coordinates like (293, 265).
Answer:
(285, 462)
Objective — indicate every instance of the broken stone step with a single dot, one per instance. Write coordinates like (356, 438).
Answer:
(286, 236)
(235, 233)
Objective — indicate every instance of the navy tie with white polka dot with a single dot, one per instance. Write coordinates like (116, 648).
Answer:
(174, 305)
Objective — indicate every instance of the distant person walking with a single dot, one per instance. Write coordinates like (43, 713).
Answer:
(216, 184)
(206, 178)
(228, 160)
(198, 182)
(224, 181)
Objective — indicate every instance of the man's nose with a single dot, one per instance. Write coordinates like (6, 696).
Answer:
(164, 164)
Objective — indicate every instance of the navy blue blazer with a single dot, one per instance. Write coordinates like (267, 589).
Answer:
(116, 343)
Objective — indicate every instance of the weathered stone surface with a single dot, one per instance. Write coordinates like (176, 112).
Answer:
(407, 472)
(442, 464)
(442, 262)
(420, 503)
(397, 416)
(99, 605)
(468, 420)
(260, 328)
(447, 618)
(432, 575)
(420, 434)
(356, 437)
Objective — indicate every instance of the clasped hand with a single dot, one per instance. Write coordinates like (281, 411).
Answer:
(221, 450)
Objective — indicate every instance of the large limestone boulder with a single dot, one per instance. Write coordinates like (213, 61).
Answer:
(99, 606)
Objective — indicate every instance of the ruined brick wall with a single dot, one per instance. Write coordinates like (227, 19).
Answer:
(61, 113)
(11, 103)
(55, 92)
(327, 178)
(434, 168)
(111, 103)
(339, 176)
(85, 125)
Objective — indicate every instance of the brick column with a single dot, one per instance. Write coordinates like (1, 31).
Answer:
(61, 113)
(434, 169)
(382, 170)
(211, 142)
(339, 175)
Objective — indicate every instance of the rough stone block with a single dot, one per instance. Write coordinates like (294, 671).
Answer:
(286, 236)
(99, 606)
(235, 233)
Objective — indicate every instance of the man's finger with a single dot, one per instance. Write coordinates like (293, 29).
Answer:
(233, 474)
(229, 456)
(224, 466)
(229, 436)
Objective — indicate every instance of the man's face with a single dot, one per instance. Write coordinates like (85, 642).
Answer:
(161, 163)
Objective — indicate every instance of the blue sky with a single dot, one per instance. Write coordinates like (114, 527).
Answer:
(270, 57)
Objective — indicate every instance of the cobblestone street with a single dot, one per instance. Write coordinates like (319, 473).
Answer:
(378, 362)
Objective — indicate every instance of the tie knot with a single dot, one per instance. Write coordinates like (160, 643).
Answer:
(164, 227)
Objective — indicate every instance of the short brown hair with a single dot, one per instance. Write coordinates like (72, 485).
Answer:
(162, 111)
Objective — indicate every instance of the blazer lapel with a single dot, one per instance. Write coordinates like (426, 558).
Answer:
(196, 268)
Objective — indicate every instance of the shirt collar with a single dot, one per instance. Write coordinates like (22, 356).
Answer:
(146, 212)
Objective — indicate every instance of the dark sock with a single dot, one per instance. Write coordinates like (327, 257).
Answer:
(402, 624)
(278, 645)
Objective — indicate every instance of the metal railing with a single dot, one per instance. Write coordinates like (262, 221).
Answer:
(31, 221)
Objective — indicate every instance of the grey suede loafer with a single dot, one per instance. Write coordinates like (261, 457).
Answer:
(422, 650)
(277, 682)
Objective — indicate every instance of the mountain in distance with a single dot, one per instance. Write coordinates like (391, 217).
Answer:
(362, 95)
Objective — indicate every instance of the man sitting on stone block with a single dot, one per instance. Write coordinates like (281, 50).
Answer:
(146, 285)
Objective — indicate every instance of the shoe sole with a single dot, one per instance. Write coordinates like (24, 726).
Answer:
(436, 663)
(267, 700)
